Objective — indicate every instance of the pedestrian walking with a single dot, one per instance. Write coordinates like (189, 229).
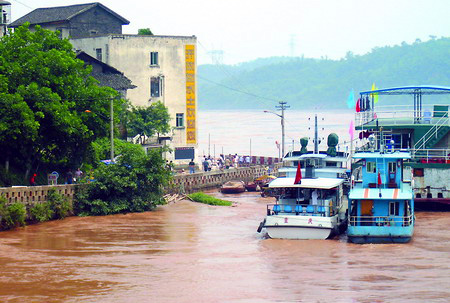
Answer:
(192, 166)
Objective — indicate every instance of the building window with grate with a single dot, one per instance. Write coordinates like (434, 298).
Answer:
(98, 52)
(180, 120)
(155, 88)
(154, 58)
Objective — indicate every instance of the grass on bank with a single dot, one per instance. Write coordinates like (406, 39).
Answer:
(207, 199)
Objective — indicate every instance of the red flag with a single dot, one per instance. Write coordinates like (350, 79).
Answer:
(379, 179)
(298, 175)
(358, 105)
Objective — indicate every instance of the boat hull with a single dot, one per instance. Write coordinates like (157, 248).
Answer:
(372, 234)
(301, 227)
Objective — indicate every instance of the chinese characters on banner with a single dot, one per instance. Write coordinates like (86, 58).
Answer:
(190, 95)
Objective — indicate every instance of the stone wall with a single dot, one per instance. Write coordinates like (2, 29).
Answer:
(188, 183)
(30, 195)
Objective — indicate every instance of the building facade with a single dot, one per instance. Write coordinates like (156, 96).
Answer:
(163, 68)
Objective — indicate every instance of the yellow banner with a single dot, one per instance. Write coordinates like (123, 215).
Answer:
(191, 137)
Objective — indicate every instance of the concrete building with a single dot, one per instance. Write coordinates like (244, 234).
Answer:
(163, 68)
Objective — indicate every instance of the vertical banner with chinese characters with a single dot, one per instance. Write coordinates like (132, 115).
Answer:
(191, 137)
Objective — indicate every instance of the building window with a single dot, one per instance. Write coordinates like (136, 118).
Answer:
(180, 120)
(154, 58)
(155, 87)
(370, 167)
(98, 53)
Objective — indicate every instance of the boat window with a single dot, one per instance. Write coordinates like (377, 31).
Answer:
(311, 162)
(331, 164)
(394, 208)
(392, 167)
(370, 167)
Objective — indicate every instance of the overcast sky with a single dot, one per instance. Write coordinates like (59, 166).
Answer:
(248, 29)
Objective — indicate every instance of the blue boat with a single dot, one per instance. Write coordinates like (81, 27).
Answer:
(381, 205)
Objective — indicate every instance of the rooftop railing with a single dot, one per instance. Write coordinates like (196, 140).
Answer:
(402, 115)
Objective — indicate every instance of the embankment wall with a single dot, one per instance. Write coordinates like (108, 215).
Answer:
(188, 183)
(183, 183)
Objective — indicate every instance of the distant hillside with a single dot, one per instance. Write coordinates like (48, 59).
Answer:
(322, 83)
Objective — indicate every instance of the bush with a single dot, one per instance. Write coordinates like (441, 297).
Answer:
(59, 204)
(11, 215)
(204, 198)
(134, 184)
(42, 212)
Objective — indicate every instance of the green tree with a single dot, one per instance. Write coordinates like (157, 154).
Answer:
(44, 93)
(145, 32)
(148, 121)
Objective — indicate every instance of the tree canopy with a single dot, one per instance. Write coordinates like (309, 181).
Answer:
(148, 121)
(145, 32)
(44, 94)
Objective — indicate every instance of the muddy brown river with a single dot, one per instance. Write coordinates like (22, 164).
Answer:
(189, 252)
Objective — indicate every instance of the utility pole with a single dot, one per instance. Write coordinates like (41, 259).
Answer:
(282, 106)
(316, 136)
(112, 129)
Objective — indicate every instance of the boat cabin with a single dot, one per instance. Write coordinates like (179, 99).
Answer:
(381, 204)
(313, 197)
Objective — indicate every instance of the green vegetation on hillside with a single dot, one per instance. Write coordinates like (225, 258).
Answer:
(321, 83)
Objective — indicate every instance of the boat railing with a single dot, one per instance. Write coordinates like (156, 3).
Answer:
(301, 210)
(402, 115)
(432, 132)
(381, 220)
(431, 155)
(423, 155)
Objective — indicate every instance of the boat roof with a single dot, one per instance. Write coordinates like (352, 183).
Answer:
(316, 156)
(411, 90)
(388, 155)
(329, 169)
(321, 183)
(386, 193)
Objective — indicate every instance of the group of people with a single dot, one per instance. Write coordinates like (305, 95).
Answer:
(74, 177)
(225, 162)
(70, 177)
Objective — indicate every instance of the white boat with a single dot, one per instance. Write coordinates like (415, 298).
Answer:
(312, 209)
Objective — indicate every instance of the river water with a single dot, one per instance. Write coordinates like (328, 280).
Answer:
(255, 132)
(190, 252)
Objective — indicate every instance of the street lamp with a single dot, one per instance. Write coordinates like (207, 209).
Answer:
(282, 107)
(282, 129)
(112, 126)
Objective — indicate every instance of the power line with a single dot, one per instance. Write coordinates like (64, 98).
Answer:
(227, 73)
(24, 4)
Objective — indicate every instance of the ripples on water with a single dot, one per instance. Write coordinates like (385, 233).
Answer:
(189, 252)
